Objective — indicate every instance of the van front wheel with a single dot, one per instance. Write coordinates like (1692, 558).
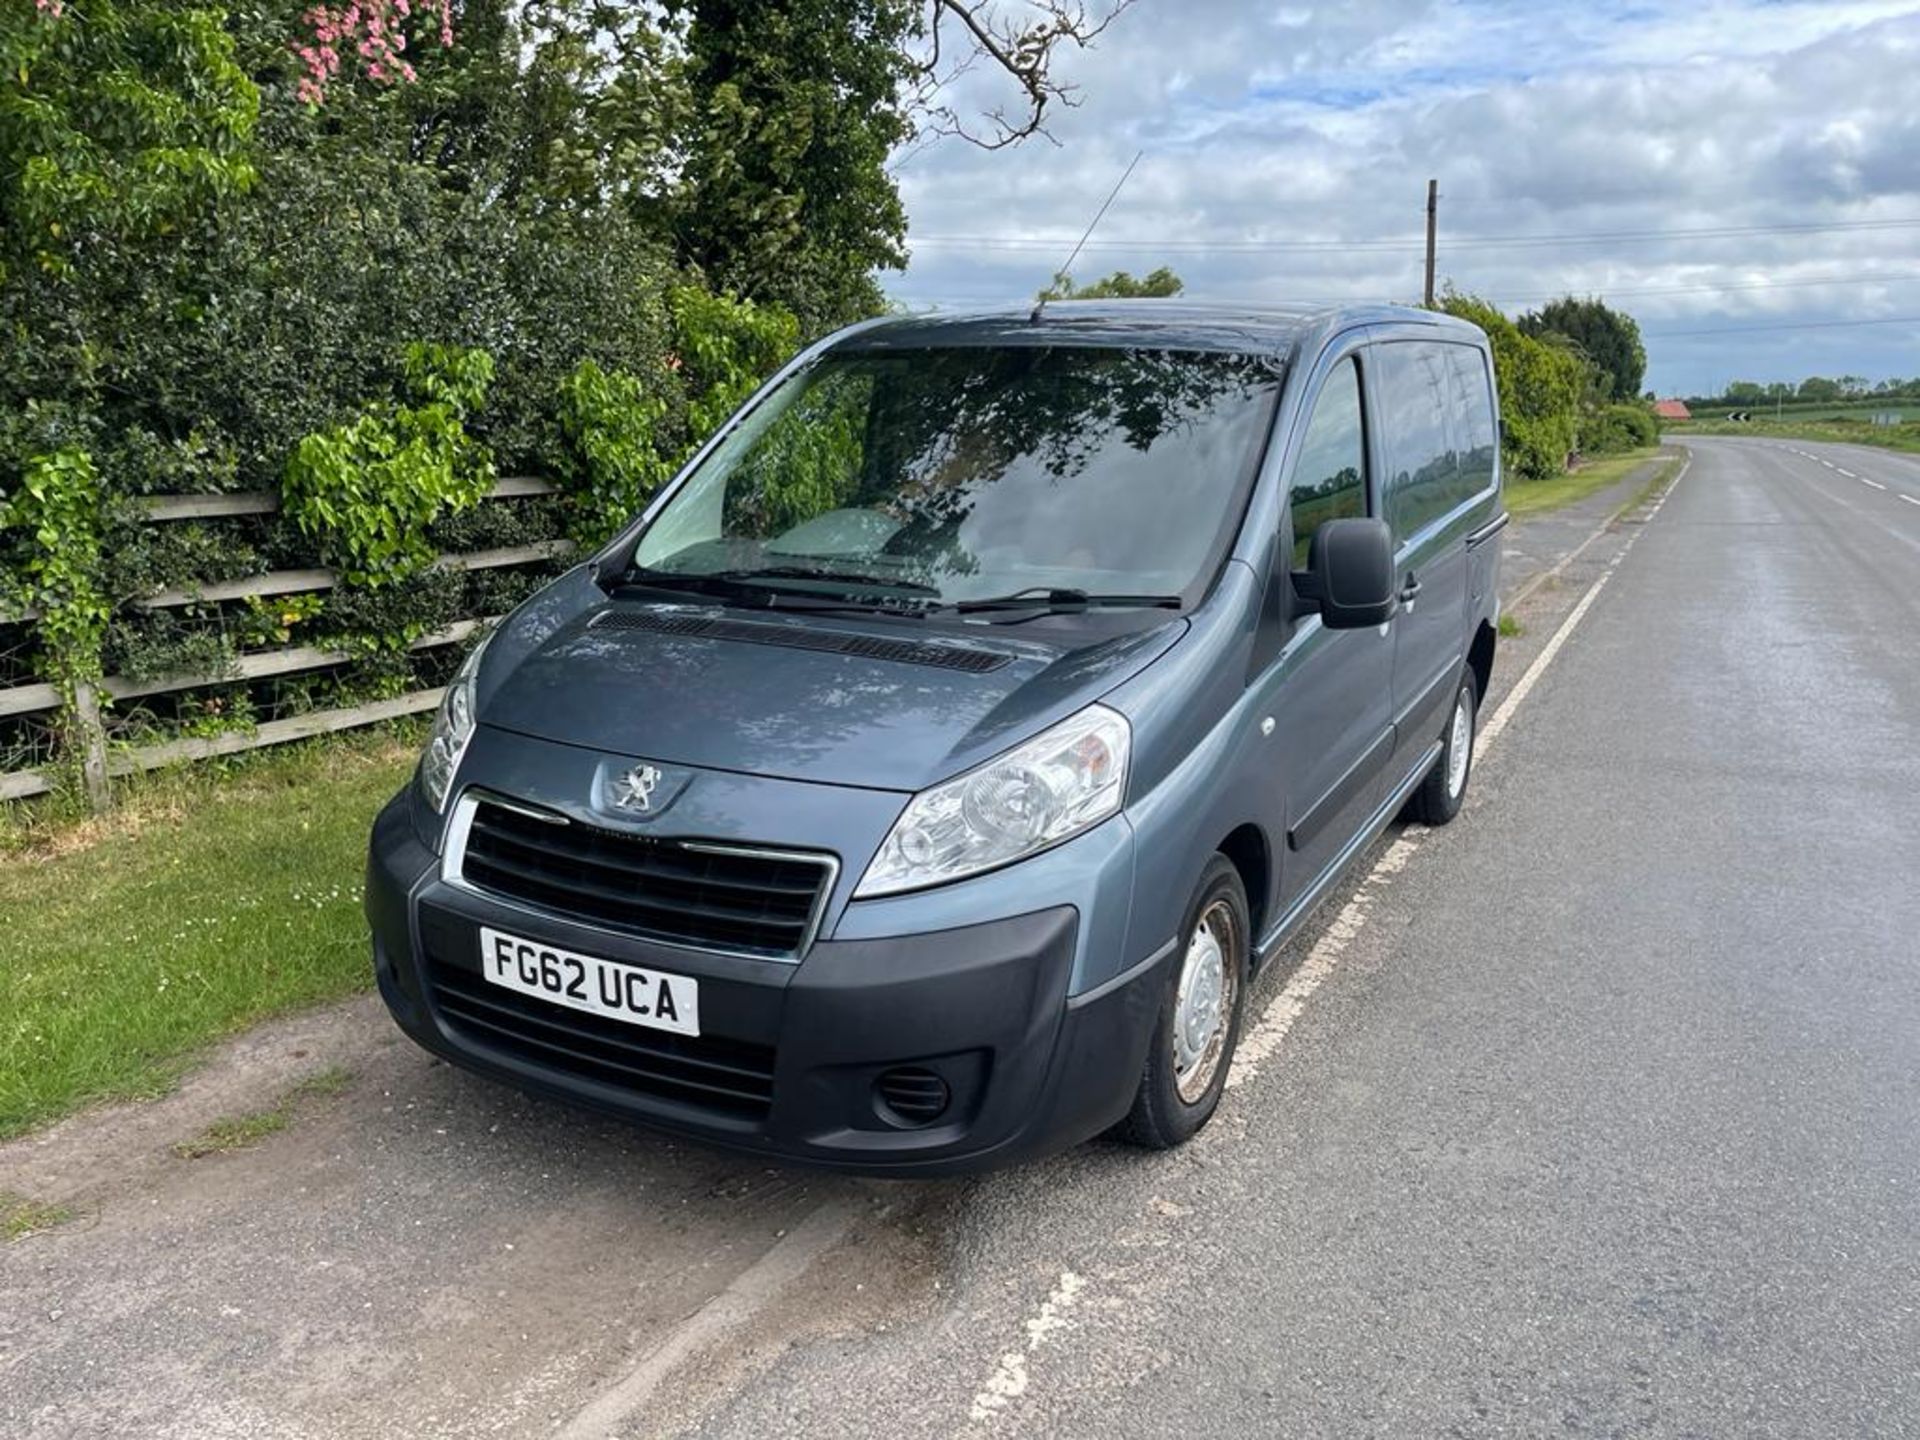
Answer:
(1199, 1025)
(1440, 796)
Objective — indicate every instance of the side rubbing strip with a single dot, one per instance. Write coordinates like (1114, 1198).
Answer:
(1341, 795)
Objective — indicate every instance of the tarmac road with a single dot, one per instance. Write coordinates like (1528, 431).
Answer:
(1595, 1113)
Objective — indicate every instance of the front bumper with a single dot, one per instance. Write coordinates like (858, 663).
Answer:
(984, 1006)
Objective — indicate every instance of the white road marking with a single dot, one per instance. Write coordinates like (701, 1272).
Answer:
(1523, 687)
(1875, 483)
(1849, 474)
(1008, 1382)
(1258, 1044)
(1911, 499)
(1829, 464)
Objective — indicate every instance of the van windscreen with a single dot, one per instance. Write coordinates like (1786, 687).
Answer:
(963, 473)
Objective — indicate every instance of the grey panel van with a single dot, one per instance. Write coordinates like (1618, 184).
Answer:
(919, 783)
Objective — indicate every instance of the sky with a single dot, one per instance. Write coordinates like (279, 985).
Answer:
(1580, 148)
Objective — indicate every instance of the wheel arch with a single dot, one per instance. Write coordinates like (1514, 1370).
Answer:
(1480, 658)
(1246, 846)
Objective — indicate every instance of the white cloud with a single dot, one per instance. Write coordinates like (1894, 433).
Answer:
(1273, 126)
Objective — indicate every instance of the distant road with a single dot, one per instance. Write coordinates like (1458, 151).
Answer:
(1897, 470)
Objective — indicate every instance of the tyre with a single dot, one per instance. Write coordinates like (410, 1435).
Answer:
(1439, 797)
(1199, 1025)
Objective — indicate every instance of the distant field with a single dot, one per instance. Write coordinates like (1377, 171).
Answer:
(1847, 430)
(1907, 410)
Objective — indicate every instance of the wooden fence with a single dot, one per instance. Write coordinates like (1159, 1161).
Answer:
(100, 761)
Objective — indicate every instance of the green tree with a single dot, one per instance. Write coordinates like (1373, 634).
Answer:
(1158, 285)
(117, 118)
(1609, 338)
(1820, 389)
(784, 194)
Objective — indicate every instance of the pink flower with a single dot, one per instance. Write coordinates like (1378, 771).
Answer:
(371, 30)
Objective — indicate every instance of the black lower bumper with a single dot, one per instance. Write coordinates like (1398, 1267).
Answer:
(928, 1054)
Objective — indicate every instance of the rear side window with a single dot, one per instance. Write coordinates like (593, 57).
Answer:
(1330, 480)
(1473, 418)
(1416, 392)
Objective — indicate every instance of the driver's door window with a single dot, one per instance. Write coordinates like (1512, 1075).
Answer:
(1330, 478)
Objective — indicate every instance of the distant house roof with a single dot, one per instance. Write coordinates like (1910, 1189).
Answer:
(1672, 410)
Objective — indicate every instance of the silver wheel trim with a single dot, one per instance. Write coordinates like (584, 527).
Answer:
(1204, 1000)
(1459, 745)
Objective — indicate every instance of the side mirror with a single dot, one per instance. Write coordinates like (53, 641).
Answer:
(1349, 576)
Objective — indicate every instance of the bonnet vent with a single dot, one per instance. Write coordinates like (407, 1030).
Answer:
(803, 637)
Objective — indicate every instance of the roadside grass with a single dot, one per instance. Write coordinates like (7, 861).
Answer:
(238, 1132)
(1533, 497)
(1509, 627)
(21, 1217)
(1904, 437)
(212, 898)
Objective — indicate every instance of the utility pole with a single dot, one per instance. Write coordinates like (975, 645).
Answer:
(1433, 208)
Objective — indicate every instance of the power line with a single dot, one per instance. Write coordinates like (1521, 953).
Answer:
(1417, 244)
(1608, 292)
(1801, 325)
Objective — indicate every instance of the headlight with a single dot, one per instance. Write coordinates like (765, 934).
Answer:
(1056, 785)
(452, 729)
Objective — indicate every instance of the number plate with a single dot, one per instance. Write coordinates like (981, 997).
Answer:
(584, 982)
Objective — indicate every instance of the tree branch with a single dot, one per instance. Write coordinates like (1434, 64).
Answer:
(1023, 54)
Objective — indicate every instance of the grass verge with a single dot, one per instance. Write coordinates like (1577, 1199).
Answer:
(207, 902)
(238, 1132)
(1534, 497)
(21, 1217)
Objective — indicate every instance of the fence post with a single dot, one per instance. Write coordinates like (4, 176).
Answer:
(90, 739)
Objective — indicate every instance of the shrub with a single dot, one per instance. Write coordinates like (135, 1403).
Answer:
(1619, 428)
(617, 451)
(368, 491)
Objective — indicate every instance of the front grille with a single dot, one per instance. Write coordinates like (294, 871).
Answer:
(730, 1077)
(714, 898)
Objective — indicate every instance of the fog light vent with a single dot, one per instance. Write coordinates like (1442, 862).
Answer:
(911, 1095)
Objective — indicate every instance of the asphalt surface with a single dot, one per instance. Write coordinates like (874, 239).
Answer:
(1596, 1113)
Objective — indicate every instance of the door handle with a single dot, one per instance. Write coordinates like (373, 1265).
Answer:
(1410, 589)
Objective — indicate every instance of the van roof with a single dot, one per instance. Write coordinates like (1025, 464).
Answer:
(1252, 328)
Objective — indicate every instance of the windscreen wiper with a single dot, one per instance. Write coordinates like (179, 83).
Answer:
(1055, 601)
(734, 586)
(831, 577)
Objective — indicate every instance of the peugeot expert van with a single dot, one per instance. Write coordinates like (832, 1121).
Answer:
(920, 782)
